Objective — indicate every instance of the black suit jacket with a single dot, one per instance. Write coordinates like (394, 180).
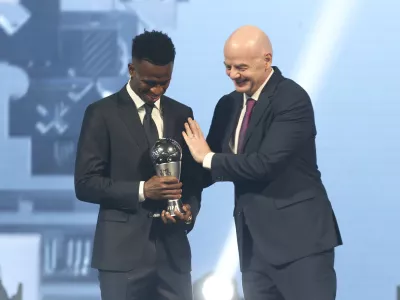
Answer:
(112, 158)
(278, 190)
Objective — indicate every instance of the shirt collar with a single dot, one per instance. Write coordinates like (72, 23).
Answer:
(137, 100)
(257, 94)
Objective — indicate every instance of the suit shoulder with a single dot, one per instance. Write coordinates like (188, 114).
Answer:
(291, 88)
(225, 102)
(177, 105)
(103, 104)
(290, 94)
(227, 99)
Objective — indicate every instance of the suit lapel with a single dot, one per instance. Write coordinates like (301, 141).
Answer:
(263, 103)
(130, 116)
(232, 123)
(168, 117)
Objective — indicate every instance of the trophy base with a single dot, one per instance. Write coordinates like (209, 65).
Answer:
(175, 205)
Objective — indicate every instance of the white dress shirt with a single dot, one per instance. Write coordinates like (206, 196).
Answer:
(234, 142)
(156, 115)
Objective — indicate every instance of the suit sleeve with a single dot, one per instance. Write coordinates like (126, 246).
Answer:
(291, 128)
(92, 165)
(191, 179)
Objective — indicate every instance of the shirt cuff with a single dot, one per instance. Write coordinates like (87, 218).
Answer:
(207, 160)
(141, 192)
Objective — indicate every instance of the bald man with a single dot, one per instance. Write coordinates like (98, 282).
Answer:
(262, 138)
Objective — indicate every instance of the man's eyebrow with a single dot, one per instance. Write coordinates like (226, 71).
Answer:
(155, 82)
(239, 66)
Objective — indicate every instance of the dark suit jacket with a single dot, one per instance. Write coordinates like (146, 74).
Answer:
(278, 188)
(112, 158)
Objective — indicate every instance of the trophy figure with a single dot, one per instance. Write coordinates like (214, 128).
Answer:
(166, 155)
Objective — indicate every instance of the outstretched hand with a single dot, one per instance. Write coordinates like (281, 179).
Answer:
(195, 140)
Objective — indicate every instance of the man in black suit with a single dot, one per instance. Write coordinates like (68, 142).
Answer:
(286, 228)
(138, 254)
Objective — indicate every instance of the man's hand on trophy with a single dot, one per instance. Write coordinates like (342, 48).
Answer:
(195, 140)
(185, 217)
(163, 188)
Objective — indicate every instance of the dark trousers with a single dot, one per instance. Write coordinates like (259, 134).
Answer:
(155, 279)
(309, 278)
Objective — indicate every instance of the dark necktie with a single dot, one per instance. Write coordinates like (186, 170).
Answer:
(149, 125)
(245, 124)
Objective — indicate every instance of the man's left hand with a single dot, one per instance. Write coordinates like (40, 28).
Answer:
(185, 217)
(195, 140)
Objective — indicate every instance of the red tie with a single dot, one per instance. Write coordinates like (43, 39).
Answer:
(245, 124)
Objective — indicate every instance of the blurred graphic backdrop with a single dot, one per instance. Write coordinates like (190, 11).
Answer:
(57, 56)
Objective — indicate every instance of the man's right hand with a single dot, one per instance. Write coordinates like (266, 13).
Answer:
(163, 188)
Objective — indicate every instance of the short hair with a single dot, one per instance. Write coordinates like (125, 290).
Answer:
(155, 47)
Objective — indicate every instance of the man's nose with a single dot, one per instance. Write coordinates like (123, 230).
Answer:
(234, 74)
(157, 90)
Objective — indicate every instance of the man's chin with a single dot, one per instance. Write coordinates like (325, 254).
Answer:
(242, 89)
(149, 99)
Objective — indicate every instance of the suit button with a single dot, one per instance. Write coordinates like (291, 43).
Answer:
(219, 178)
(150, 214)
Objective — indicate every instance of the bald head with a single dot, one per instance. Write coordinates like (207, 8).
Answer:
(248, 58)
(250, 39)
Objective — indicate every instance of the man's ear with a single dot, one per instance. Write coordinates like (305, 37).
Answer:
(131, 69)
(268, 60)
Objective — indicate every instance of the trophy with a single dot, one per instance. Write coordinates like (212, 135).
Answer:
(166, 155)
